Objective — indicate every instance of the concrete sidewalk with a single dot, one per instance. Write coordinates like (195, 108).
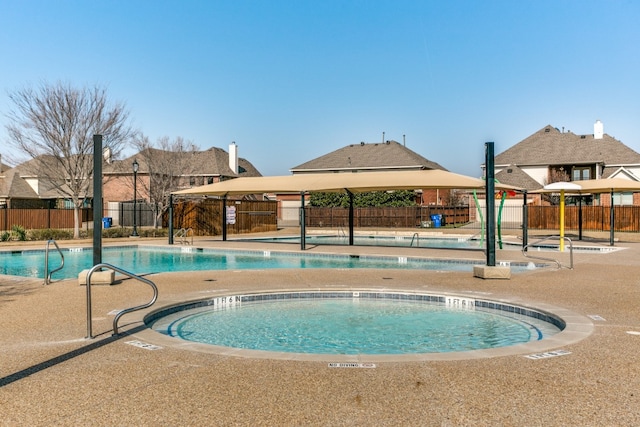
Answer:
(51, 375)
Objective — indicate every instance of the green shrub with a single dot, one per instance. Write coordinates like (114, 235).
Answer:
(154, 232)
(115, 232)
(50, 233)
(19, 233)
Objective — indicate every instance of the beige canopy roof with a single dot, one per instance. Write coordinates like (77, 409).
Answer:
(593, 186)
(337, 182)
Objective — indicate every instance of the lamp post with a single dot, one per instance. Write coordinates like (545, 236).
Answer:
(135, 196)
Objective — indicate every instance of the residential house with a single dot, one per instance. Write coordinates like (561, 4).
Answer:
(26, 186)
(363, 157)
(551, 155)
(29, 186)
(190, 169)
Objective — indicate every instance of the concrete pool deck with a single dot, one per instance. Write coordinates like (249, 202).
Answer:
(51, 375)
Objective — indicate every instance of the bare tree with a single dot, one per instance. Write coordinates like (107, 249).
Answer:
(166, 163)
(54, 124)
(556, 174)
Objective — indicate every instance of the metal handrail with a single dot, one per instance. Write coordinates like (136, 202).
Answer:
(47, 273)
(183, 234)
(524, 250)
(126, 310)
(417, 237)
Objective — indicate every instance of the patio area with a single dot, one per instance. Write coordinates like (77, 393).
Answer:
(51, 375)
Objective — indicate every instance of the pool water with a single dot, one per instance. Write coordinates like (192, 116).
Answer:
(391, 241)
(149, 259)
(353, 326)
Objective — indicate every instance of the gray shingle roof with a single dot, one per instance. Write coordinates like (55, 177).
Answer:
(12, 186)
(363, 156)
(214, 161)
(513, 175)
(550, 146)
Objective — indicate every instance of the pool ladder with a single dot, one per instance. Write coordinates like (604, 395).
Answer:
(183, 235)
(525, 253)
(47, 273)
(121, 313)
(416, 236)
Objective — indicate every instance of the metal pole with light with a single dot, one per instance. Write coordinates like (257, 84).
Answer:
(135, 197)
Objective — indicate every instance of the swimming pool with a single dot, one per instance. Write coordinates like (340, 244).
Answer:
(157, 259)
(417, 241)
(355, 322)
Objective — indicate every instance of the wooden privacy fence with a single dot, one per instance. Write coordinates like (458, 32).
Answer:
(594, 218)
(385, 217)
(205, 217)
(37, 219)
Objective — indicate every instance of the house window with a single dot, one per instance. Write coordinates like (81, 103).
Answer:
(623, 199)
(580, 174)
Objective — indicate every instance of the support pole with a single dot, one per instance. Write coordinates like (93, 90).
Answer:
(561, 220)
(580, 217)
(97, 199)
(612, 221)
(525, 220)
(351, 221)
(171, 219)
(224, 218)
(303, 243)
(491, 206)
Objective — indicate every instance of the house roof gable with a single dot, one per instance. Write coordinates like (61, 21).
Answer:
(550, 146)
(363, 156)
(13, 186)
(513, 175)
(213, 161)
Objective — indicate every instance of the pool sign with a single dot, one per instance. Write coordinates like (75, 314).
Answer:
(143, 345)
(351, 365)
(548, 354)
(231, 215)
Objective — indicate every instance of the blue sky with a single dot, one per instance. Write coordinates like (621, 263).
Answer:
(292, 80)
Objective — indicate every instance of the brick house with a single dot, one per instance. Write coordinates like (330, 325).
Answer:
(551, 155)
(364, 157)
(194, 168)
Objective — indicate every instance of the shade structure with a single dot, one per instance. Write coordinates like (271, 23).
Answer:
(338, 182)
(591, 186)
(607, 185)
(341, 182)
